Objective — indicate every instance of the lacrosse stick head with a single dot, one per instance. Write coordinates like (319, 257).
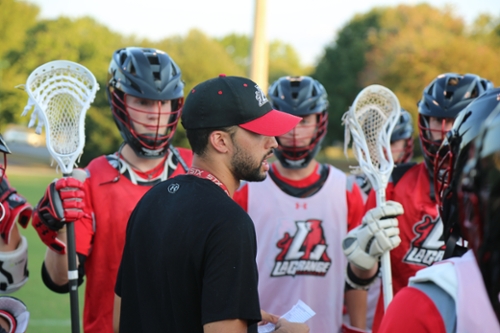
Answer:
(61, 92)
(146, 93)
(305, 97)
(370, 121)
(444, 98)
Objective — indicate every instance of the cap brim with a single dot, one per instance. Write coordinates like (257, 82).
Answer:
(273, 123)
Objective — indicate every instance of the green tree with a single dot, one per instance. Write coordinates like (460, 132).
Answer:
(341, 66)
(404, 48)
(80, 40)
(16, 18)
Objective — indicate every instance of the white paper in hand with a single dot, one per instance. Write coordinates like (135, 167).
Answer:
(299, 313)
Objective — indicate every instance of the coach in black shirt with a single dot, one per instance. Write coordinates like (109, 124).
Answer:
(189, 259)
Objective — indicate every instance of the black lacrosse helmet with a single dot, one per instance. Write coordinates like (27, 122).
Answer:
(443, 98)
(4, 149)
(300, 96)
(404, 131)
(149, 74)
(479, 200)
(451, 158)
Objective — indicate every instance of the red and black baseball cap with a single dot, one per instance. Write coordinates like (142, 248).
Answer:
(231, 100)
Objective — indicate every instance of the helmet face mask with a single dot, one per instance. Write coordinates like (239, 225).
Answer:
(301, 96)
(140, 82)
(299, 146)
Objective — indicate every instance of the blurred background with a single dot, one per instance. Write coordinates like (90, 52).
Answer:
(402, 45)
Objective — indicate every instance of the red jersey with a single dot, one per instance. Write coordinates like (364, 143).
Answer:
(110, 198)
(399, 319)
(420, 229)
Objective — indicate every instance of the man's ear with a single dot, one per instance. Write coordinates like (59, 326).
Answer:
(220, 141)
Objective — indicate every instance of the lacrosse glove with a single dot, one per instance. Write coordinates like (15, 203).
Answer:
(377, 234)
(62, 203)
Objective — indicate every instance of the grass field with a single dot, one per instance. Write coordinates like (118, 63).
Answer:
(50, 312)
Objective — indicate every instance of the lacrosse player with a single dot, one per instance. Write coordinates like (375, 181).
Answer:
(402, 152)
(145, 92)
(301, 212)
(411, 185)
(461, 294)
(13, 246)
(195, 271)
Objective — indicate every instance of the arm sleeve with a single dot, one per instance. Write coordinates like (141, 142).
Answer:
(412, 311)
(230, 276)
(241, 197)
(355, 207)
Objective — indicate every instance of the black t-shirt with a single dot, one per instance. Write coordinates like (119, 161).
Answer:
(189, 259)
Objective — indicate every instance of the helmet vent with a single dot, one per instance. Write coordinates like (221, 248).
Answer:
(474, 93)
(314, 92)
(153, 60)
(174, 70)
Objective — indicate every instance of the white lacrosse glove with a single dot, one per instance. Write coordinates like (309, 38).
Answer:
(377, 234)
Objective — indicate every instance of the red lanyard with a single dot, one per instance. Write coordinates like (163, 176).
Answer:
(207, 175)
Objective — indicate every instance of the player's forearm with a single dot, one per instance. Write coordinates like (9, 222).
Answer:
(357, 306)
(57, 264)
(15, 239)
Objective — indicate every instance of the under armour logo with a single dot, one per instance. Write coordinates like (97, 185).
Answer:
(172, 188)
(298, 205)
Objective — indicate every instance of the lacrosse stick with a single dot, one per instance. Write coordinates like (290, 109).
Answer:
(61, 93)
(371, 120)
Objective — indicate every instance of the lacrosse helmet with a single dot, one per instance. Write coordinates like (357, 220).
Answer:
(300, 96)
(452, 156)
(146, 74)
(443, 98)
(4, 149)
(404, 131)
(479, 200)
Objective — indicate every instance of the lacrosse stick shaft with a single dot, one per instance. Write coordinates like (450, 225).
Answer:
(72, 267)
(385, 260)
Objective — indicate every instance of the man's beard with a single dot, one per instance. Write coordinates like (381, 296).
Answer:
(245, 168)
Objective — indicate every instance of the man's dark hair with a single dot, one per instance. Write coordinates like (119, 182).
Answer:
(198, 138)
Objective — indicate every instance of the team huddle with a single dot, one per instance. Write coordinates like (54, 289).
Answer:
(219, 239)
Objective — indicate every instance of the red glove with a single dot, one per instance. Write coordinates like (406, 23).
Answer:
(61, 203)
(12, 207)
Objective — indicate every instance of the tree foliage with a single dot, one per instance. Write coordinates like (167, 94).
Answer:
(404, 48)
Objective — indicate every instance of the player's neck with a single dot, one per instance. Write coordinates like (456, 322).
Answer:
(296, 174)
(219, 170)
(139, 163)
